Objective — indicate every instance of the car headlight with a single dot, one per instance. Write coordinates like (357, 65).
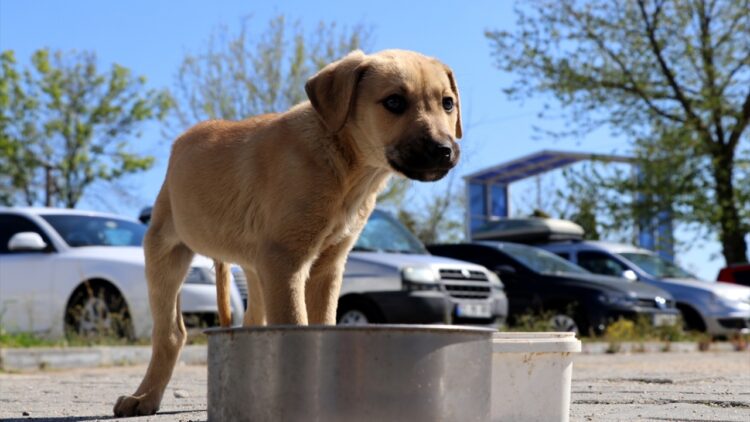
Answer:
(732, 301)
(419, 278)
(617, 299)
(198, 275)
(494, 280)
(419, 275)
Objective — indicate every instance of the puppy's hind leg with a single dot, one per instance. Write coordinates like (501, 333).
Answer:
(255, 314)
(223, 280)
(167, 262)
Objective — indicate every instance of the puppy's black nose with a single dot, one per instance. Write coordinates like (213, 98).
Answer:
(440, 153)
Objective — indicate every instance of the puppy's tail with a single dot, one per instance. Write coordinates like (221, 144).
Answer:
(222, 293)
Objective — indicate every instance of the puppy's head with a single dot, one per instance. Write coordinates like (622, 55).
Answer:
(401, 108)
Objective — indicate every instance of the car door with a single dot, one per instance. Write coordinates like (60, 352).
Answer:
(26, 280)
(521, 287)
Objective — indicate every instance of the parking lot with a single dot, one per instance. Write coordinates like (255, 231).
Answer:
(646, 386)
(662, 387)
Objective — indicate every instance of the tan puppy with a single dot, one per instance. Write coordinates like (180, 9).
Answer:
(286, 195)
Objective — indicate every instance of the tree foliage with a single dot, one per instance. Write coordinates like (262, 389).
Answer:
(249, 72)
(64, 125)
(673, 73)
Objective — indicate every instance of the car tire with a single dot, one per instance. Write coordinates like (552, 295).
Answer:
(97, 310)
(357, 312)
(564, 323)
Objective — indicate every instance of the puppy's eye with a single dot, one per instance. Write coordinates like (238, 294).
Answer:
(396, 104)
(447, 103)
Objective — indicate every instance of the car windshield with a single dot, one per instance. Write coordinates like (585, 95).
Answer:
(383, 233)
(84, 230)
(657, 266)
(539, 260)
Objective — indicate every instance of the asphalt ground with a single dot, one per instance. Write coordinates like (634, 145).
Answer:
(708, 386)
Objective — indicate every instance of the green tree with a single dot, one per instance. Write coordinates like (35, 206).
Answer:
(64, 126)
(664, 176)
(647, 67)
(248, 73)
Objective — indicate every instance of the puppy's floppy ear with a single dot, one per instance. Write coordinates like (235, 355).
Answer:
(454, 88)
(332, 90)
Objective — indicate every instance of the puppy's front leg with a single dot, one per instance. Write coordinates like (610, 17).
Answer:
(255, 314)
(283, 273)
(323, 287)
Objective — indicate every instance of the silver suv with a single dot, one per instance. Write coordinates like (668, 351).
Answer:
(715, 307)
(391, 277)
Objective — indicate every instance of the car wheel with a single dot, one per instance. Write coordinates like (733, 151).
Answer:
(97, 310)
(357, 312)
(353, 317)
(691, 319)
(563, 323)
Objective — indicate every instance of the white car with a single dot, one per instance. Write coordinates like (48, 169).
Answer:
(66, 271)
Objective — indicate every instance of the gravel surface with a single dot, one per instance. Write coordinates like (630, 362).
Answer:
(651, 386)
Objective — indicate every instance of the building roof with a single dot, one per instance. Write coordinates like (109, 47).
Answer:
(534, 164)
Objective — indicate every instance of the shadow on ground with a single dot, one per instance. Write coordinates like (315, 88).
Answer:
(94, 418)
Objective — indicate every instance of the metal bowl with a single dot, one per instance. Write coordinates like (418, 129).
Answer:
(368, 373)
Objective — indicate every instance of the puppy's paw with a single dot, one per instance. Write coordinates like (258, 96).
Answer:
(135, 406)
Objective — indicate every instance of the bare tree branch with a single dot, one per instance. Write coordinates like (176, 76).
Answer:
(707, 54)
(651, 24)
(742, 121)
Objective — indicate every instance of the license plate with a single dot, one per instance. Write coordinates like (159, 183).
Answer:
(664, 319)
(473, 310)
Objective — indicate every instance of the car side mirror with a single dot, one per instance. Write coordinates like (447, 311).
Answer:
(630, 275)
(27, 241)
(505, 269)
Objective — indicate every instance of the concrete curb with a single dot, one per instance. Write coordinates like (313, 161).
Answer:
(51, 358)
(595, 348)
(44, 358)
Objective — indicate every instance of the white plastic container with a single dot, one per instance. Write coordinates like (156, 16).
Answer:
(531, 374)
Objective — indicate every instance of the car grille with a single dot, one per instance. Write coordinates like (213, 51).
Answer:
(463, 284)
(734, 323)
(651, 303)
(241, 281)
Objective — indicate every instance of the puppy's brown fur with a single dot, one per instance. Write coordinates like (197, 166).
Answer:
(286, 195)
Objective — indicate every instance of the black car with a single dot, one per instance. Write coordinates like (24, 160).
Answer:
(537, 281)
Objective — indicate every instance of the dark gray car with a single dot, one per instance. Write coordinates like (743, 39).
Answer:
(537, 281)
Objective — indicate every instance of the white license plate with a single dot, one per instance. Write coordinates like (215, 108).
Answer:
(473, 310)
(664, 319)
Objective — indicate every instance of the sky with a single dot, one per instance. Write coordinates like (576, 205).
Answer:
(151, 38)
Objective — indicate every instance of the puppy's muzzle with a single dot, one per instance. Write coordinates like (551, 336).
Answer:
(426, 159)
(440, 153)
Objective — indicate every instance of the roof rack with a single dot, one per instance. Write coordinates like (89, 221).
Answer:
(530, 230)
